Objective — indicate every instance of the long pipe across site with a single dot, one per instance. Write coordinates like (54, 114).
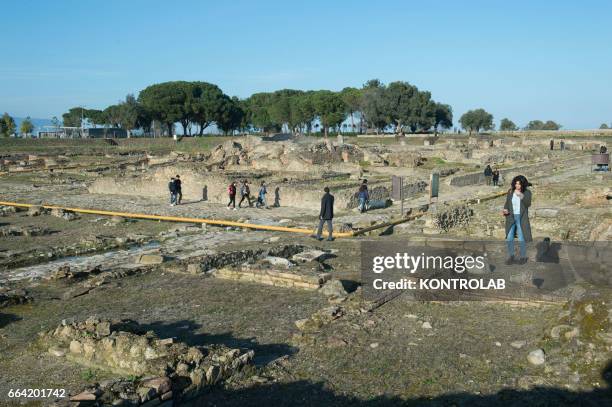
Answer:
(177, 219)
(228, 222)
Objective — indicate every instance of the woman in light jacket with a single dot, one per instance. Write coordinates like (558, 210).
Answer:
(516, 211)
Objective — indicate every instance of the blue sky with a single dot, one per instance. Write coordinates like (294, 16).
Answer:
(523, 59)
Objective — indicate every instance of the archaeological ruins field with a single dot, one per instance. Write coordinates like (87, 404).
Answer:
(244, 307)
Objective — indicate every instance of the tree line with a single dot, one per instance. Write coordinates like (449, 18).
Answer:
(198, 105)
(377, 107)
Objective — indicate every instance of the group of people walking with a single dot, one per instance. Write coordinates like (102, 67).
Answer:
(491, 175)
(245, 193)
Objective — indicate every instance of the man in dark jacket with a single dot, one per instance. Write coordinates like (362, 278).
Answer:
(178, 190)
(172, 189)
(326, 214)
(488, 173)
(495, 177)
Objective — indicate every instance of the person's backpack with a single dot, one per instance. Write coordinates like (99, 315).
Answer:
(231, 190)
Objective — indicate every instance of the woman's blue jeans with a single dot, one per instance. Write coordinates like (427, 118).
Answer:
(362, 204)
(521, 238)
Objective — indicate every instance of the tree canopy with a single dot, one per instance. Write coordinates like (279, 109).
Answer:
(72, 118)
(7, 125)
(443, 116)
(540, 125)
(507, 125)
(604, 126)
(476, 120)
(26, 127)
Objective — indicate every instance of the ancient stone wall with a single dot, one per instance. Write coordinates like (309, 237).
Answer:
(475, 178)
(180, 371)
(212, 187)
(277, 278)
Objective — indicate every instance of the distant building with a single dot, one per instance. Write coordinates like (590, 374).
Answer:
(104, 132)
(59, 132)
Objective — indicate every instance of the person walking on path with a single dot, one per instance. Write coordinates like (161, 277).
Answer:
(261, 198)
(363, 195)
(178, 189)
(245, 193)
(488, 173)
(516, 211)
(495, 177)
(172, 189)
(326, 215)
(231, 191)
(552, 144)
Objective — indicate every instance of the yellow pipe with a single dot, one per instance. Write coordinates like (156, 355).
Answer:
(176, 219)
(387, 224)
(228, 222)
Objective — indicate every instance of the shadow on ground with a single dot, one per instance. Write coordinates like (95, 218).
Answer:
(186, 331)
(303, 393)
(6, 319)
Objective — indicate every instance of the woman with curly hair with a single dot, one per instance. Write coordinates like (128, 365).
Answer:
(516, 211)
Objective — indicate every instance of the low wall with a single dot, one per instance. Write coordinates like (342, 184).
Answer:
(212, 187)
(505, 175)
(275, 277)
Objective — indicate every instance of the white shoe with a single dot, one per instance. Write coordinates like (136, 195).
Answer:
(234, 208)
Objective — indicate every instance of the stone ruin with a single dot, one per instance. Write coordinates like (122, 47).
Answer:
(28, 231)
(24, 162)
(289, 155)
(452, 217)
(295, 171)
(291, 266)
(9, 297)
(280, 272)
(154, 371)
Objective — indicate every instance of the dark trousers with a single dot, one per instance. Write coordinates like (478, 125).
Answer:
(495, 181)
(179, 196)
(247, 197)
(232, 201)
(329, 228)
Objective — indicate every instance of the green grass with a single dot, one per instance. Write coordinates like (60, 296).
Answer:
(88, 375)
(437, 160)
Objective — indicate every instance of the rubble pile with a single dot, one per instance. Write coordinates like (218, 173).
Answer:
(282, 155)
(64, 214)
(201, 264)
(169, 370)
(6, 210)
(404, 159)
(28, 231)
(582, 330)
(452, 217)
(10, 297)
